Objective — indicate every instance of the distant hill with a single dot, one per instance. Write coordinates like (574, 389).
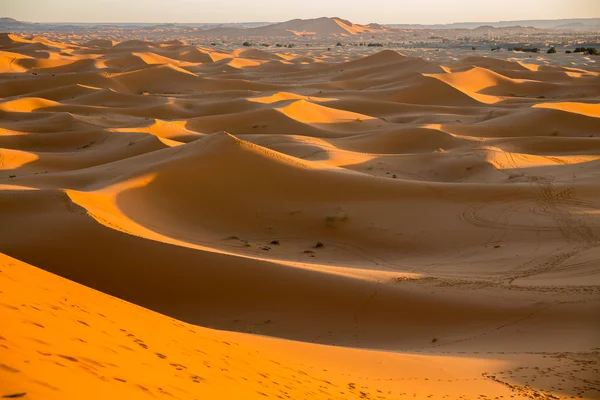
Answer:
(506, 29)
(12, 25)
(12, 21)
(572, 25)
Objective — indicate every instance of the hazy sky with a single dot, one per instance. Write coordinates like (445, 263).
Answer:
(358, 11)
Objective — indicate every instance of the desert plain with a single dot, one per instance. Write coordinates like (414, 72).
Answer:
(182, 221)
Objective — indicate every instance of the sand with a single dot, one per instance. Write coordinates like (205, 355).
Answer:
(184, 222)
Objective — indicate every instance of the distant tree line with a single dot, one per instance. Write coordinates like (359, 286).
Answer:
(552, 50)
(339, 44)
(248, 44)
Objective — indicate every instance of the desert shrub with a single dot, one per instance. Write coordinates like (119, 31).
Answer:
(526, 49)
(551, 50)
(265, 45)
(568, 52)
(375, 45)
(278, 45)
(586, 50)
(247, 44)
(338, 44)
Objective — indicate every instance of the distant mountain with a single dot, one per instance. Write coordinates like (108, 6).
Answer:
(12, 25)
(207, 25)
(316, 27)
(573, 23)
(321, 27)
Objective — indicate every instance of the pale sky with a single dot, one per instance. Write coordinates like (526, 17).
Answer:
(357, 11)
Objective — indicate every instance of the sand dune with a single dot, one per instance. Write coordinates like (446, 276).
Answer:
(382, 227)
(101, 346)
